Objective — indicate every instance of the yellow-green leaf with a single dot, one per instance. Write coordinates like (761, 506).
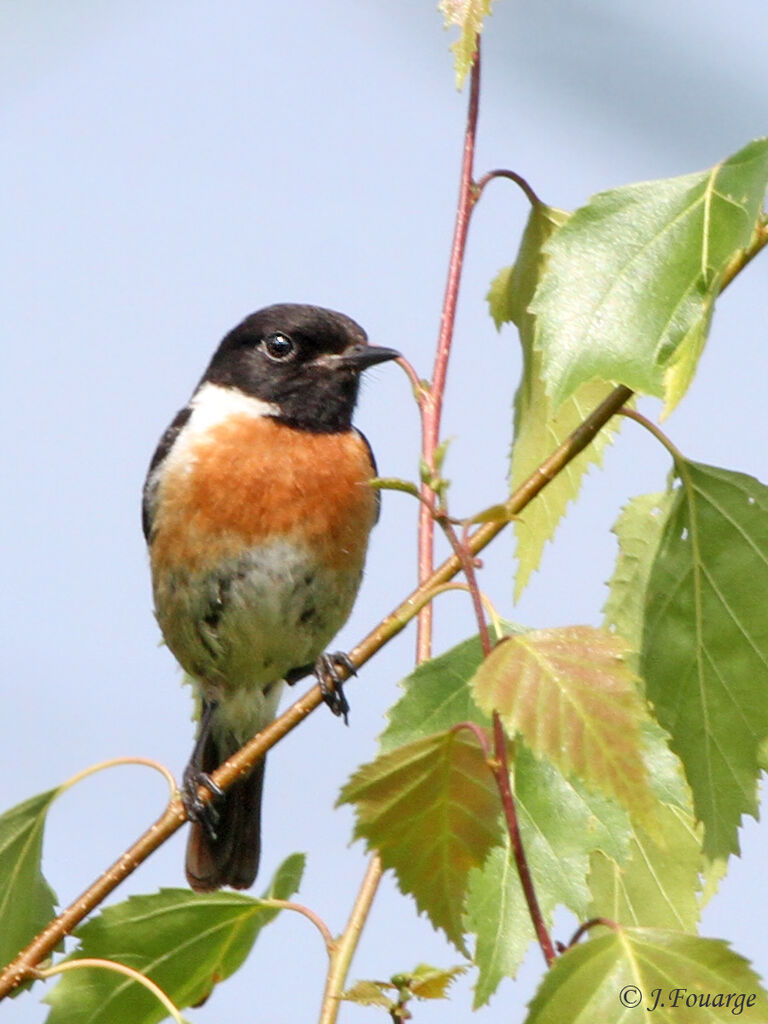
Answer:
(427, 982)
(657, 887)
(468, 15)
(539, 428)
(370, 993)
(572, 696)
(638, 529)
(645, 973)
(431, 809)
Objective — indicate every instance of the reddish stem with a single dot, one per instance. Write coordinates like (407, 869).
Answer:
(433, 399)
(431, 405)
(462, 552)
(511, 176)
(593, 922)
(479, 733)
(501, 771)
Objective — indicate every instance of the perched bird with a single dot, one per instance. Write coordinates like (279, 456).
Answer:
(257, 510)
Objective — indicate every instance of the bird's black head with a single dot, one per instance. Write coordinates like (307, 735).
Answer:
(304, 360)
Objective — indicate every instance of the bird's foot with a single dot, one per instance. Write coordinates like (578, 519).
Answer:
(328, 676)
(205, 812)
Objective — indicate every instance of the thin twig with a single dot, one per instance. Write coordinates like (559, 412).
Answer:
(741, 259)
(307, 912)
(656, 431)
(347, 943)
(99, 963)
(468, 566)
(593, 922)
(117, 762)
(511, 176)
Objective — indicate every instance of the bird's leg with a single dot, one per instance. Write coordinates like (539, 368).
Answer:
(195, 775)
(328, 676)
(326, 671)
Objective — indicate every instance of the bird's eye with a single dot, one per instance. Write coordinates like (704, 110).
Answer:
(278, 346)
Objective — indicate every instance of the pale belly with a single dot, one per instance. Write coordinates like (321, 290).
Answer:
(247, 623)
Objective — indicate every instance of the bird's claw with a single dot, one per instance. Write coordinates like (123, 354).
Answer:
(205, 812)
(327, 672)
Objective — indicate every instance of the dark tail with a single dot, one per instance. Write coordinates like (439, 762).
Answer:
(232, 858)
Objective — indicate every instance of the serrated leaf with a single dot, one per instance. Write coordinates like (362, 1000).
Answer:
(619, 976)
(431, 810)
(502, 298)
(713, 872)
(424, 982)
(538, 433)
(638, 529)
(539, 429)
(570, 693)
(705, 646)
(26, 900)
(633, 275)
(468, 15)
(561, 825)
(437, 695)
(427, 982)
(185, 942)
(370, 993)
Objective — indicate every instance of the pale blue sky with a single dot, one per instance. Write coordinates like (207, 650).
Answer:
(169, 167)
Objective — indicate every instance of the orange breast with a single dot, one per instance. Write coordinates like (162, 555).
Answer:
(250, 479)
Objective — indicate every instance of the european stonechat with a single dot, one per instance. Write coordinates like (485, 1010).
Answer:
(257, 510)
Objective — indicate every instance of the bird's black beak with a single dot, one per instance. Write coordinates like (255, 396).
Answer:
(360, 357)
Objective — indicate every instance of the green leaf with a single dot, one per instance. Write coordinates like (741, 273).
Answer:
(680, 370)
(560, 829)
(561, 824)
(26, 899)
(437, 695)
(538, 428)
(680, 979)
(632, 277)
(656, 885)
(570, 693)
(497, 914)
(431, 809)
(468, 15)
(639, 529)
(185, 942)
(705, 645)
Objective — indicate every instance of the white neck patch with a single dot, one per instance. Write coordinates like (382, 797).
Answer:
(213, 404)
